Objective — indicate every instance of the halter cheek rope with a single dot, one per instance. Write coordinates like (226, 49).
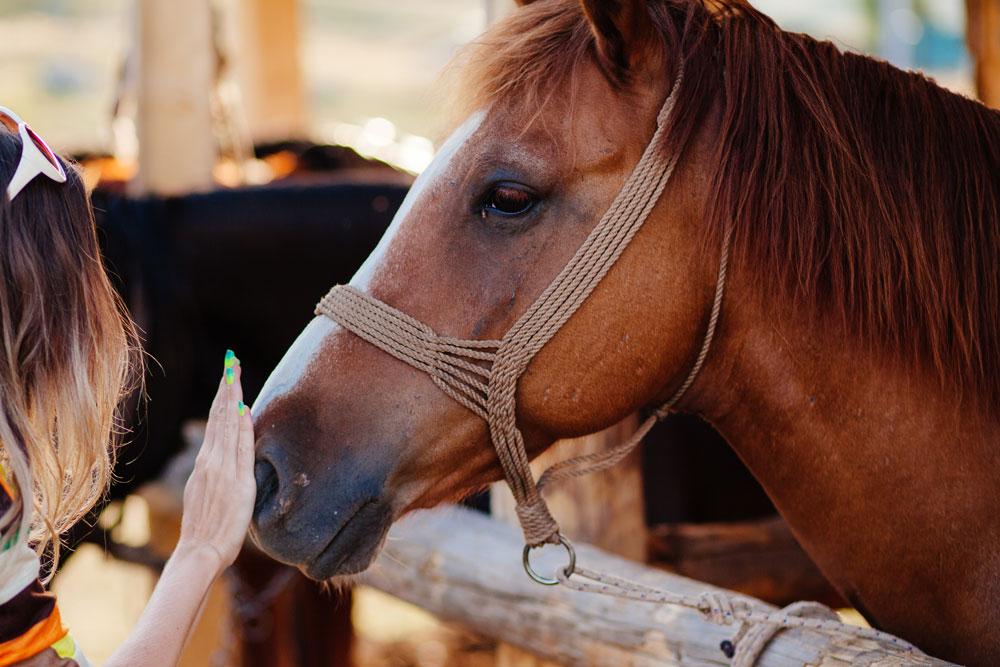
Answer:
(482, 375)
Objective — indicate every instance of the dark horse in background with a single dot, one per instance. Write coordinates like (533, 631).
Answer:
(195, 271)
(856, 369)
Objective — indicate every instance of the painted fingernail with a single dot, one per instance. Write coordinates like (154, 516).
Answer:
(230, 376)
(230, 358)
(242, 406)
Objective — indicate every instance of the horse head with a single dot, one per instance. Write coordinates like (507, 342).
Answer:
(349, 437)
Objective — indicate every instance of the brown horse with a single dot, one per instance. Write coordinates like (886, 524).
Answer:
(856, 369)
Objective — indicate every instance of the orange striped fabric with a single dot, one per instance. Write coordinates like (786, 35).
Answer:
(39, 637)
(31, 629)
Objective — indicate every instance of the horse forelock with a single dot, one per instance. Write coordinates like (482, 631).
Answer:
(866, 195)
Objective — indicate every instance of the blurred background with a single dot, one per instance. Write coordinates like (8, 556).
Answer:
(63, 60)
(334, 103)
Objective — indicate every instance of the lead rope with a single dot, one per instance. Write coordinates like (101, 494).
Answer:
(757, 626)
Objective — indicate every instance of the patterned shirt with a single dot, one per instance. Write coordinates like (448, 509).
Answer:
(31, 631)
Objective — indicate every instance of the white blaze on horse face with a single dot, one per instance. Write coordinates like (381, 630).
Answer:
(438, 166)
(294, 366)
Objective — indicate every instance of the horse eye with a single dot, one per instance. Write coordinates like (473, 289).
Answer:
(508, 200)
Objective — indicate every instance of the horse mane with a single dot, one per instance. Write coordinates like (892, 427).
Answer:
(868, 195)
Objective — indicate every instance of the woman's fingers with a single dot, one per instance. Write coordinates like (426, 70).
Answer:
(218, 499)
(217, 412)
(229, 367)
(239, 451)
(229, 440)
(244, 448)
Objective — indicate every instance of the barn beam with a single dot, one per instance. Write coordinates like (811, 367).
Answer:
(983, 34)
(466, 568)
(177, 64)
(268, 67)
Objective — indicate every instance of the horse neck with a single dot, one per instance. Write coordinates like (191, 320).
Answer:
(877, 468)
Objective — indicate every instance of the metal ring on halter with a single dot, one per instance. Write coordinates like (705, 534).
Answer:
(547, 581)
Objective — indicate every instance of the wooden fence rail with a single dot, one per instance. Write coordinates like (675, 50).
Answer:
(466, 567)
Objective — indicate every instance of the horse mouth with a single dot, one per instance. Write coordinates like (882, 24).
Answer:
(354, 545)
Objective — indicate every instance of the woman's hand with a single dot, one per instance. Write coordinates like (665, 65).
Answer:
(219, 496)
(218, 502)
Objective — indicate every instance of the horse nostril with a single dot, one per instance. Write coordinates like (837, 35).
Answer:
(267, 485)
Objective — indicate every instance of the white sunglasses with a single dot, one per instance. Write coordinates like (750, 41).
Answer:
(36, 156)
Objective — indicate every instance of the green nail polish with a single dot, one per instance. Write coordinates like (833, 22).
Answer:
(230, 376)
(242, 406)
(230, 358)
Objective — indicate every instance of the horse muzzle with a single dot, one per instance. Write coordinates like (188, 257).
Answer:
(335, 529)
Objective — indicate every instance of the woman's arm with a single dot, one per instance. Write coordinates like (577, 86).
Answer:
(218, 503)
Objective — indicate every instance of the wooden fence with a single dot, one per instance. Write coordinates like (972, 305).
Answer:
(466, 567)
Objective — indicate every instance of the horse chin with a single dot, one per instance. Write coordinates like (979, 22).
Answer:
(352, 547)
(342, 583)
(332, 554)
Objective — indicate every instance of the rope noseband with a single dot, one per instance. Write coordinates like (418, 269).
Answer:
(482, 375)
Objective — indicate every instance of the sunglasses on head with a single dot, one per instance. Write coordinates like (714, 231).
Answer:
(36, 156)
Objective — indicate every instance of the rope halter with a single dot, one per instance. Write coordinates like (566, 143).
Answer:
(482, 375)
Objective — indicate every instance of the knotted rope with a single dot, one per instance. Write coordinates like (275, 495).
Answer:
(757, 626)
(461, 368)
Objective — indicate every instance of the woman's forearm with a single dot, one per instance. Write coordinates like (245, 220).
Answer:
(218, 502)
(166, 622)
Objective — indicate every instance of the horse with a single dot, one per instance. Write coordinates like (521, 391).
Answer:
(854, 212)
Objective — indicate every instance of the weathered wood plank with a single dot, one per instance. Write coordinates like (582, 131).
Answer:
(466, 568)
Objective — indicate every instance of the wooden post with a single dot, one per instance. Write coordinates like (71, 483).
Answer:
(176, 77)
(286, 620)
(605, 509)
(466, 568)
(983, 33)
(268, 69)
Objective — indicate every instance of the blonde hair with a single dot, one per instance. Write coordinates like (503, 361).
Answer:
(66, 356)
